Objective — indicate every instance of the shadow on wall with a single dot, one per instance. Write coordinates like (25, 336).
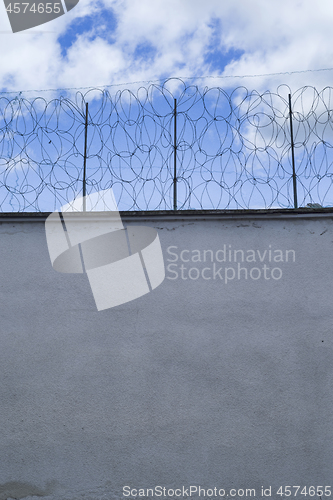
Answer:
(18, 490)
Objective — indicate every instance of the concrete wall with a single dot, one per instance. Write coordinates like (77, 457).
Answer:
(202, 382)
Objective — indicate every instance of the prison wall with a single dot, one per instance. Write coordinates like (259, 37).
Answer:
(221, 377)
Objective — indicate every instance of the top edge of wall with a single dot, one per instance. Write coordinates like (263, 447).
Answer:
(287, 213)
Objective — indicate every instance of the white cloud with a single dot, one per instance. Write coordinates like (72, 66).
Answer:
(275, 36)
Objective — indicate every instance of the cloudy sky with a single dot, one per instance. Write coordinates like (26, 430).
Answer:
(104, 42)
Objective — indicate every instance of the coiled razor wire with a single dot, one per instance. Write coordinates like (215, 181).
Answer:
(168, 146)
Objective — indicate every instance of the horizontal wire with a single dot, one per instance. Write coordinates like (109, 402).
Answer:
(166, 79)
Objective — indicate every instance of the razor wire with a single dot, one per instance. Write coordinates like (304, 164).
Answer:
(168, 146)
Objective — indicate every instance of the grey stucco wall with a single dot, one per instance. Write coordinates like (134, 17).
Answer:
(200, 382)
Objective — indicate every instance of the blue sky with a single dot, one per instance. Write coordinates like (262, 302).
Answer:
(211, 43)
(102, 42)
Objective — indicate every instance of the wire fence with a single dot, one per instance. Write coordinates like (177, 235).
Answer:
(168, 146)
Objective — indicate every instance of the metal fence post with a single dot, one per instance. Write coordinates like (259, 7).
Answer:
(292, 153)
(175, 155)
(85, 159)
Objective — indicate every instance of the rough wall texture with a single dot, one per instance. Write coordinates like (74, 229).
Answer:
(207, 380)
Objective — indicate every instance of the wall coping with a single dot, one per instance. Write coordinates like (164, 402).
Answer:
(287, 213)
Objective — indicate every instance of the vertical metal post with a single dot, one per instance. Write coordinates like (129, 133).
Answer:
(292, 153)
(175, 155)
(85, 159)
